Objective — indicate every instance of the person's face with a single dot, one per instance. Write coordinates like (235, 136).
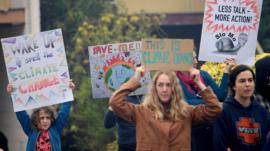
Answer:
(195, 61)
(164, 88)
(244, 85)
(44, 120)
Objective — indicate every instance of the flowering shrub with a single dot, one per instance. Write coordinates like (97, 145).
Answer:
(216, 69)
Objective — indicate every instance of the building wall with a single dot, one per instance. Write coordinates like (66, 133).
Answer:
(183, 17)
(164, 6)
(9, 125)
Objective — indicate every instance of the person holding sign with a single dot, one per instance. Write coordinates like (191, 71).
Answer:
(190, 88)
(126, 130)
(243, 124)
(202, 133)
(163, 121)
(43, 128)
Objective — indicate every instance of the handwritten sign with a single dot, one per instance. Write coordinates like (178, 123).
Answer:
(167, 54)
(37, 68)
(113, 64)
(230, 29)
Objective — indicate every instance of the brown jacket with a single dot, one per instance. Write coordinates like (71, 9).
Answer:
(156, 135)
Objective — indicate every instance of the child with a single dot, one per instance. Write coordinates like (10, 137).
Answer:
(43, 129)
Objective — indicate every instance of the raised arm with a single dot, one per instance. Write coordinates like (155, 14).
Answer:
(220, 90)
(22, 116)
(119, 99)
(25, 121)
(63, 113)
(208, 111)
(211, 109)
(109, 118)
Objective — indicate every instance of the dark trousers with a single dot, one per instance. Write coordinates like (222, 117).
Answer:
(202, 137)
(127, 147)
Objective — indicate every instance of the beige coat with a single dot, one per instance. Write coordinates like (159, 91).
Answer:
(156, 135)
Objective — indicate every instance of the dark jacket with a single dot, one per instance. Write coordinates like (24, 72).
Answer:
(241, 128)
(55, 130)
(267, 145)
(126, 130)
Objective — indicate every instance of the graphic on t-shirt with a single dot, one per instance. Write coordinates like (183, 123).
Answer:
(248, 130)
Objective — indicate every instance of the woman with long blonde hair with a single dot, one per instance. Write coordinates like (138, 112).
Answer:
(163, 121)
(176, 108)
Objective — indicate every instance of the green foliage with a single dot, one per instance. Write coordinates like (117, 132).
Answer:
(86, 126)
(86, 23)
(112, 146)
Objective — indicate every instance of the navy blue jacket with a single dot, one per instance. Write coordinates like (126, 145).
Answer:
(221, 91)
(267, 145)
(55, 130)
(241, 128)
(126, 130)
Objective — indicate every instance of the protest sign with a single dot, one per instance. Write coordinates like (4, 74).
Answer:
(230, 29)
(113, 64)
(167, 54)
(37, 69)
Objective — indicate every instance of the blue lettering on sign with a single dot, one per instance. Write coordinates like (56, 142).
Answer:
(182, 58)
(161, 57)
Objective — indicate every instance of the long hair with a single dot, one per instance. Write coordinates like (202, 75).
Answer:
(35, 116)
(234, 73)
(177, 107)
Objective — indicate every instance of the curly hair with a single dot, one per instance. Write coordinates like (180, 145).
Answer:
(177, 108)
(35, 116)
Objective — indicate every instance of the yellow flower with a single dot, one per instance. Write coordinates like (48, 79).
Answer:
(216, 69)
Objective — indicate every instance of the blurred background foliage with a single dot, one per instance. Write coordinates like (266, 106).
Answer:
(94, 22)
(85, 23)
(216, 69)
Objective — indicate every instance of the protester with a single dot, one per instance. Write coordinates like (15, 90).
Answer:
(243, 124)
(163, 121)
(263, 82)
(126, 130)
(202, 134)
(190, 88)
(43, 129)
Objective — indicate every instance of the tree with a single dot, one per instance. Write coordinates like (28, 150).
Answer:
(111, 28)
(86, 23)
